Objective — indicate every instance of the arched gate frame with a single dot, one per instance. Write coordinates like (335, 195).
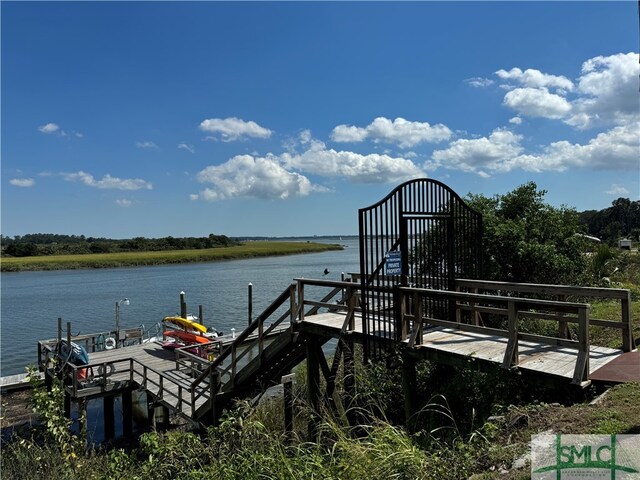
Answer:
(422, 234)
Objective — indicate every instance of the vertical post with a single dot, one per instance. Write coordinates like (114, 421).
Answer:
(313, 385)
(563, 327)
(627, 333)
(250, 302)
(287, 386)
(409, 383)
(127, 412)
(581, 372)
(292, 303)
(349, 380)
(117, 324)
(301, 300)
(183, 305)
(511, 353)
(200, 315)
(59, 329)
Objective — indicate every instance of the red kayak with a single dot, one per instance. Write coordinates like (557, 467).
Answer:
(187, 337)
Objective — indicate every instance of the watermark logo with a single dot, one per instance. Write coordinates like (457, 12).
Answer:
(569, 457)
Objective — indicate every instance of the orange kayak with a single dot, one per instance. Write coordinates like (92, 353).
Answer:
(187, 337)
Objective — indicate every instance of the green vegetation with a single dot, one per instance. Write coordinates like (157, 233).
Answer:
(54, 244)
(527, 240)
(129, 259)
(621, 219)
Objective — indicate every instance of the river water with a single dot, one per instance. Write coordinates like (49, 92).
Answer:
(33, 301)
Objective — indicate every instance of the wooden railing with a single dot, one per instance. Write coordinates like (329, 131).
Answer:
(561, 293)
(415, 318)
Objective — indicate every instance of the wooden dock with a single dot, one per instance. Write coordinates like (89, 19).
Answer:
(198, 382)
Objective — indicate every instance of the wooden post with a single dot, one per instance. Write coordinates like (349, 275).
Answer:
(127, 412)
(313, 385)
(214, 387)
(300, 301)
(287, 386)
(511, 352)
(292, 303)
(249, 302)
(200, 315)
(349, 379)
(581, 372)
(109, 420)
(59, 329)
(563, 326)
(183, 305)
(409, 388)
(627, 332)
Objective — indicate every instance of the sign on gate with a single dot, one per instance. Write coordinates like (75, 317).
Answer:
(393, 263)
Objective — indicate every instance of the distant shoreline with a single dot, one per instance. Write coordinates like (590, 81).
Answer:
(249, 249)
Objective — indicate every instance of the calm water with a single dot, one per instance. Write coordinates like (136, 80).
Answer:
(33, 301)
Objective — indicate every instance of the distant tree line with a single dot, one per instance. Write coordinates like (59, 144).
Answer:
(34, 244)
(621, 219)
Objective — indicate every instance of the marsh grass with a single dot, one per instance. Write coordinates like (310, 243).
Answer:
(129, 259)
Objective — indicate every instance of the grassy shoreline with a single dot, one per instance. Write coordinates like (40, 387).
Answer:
(136, 259)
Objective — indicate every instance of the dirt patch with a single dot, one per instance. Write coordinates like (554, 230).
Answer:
(15, 409)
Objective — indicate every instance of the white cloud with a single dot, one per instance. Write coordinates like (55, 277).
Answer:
(54, 129)
(399, 131)
(605, 94)
(108, 182)
(358, 168)
(479, 82)
(147, 145)
(616, 149)
(188, 148)
(258, 177)
(536, 79)
(515, 120)
(231, 129)
(22, 182)
(49, 128)
(537, 102)
(617, 190)
(124, 203)
(609, 89)
(479, 154)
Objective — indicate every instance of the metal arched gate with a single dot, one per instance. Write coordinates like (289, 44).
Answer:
(422, 234)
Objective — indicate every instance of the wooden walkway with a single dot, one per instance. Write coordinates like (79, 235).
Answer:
(294, 327)
(449, 345)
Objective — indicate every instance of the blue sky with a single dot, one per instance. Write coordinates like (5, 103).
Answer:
(123, 119)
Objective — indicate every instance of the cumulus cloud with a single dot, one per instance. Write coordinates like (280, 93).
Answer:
(616, 149)
(515, 120)
(108, 182)
(249, 176)
(617, 190)
(537, 102)
(358, 168)
(188, 148)
(124, 203)
(609, 91)
(479, 154)
(535, 79)
(231, 129)
(605, 93)
(22, 182)
(147, 145)
(399, 131)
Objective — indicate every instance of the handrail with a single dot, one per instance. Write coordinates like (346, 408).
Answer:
(515, 308)
(257, 324)
(621, 294)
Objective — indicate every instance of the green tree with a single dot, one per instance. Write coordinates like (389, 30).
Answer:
(528, 240)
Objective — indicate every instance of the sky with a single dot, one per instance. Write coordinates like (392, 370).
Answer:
(126, 119)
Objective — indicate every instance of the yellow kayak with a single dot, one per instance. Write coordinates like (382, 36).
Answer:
(187, 324)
